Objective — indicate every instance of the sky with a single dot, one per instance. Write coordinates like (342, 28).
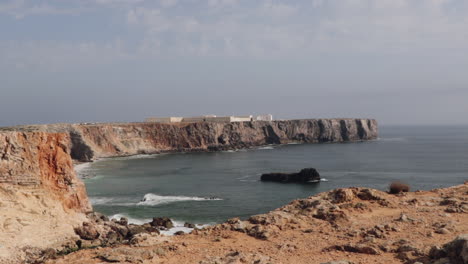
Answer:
(402, 62)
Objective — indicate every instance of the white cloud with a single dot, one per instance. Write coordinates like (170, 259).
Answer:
(269, 28)
(363, 25)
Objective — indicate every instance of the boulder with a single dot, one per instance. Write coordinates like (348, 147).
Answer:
(135, 229)
(189, 225)
(162, 222)
(87, 231)
(455, 251)
(305, 175)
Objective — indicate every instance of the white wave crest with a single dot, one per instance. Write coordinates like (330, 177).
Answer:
(84, 170)
(82, 166)
(136, 156)
(111, 201)
(154, 199)
(266, 148)
(178, 225)
(101, 200)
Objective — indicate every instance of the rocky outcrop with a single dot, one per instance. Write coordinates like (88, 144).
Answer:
(454, 252)
(91, 141)
(349, 225)
(41, 199)
(42, 160)
(305, 175)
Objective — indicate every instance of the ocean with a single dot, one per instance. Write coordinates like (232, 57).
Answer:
(208, 188)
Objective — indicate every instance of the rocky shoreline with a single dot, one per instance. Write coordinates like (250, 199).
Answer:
(46, 215)
(352, 225)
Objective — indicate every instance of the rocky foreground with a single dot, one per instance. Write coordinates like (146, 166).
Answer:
(352, 225)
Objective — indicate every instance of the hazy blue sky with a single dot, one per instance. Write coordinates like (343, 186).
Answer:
(399, 61)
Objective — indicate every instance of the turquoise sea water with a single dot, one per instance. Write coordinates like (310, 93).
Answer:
(213, 187)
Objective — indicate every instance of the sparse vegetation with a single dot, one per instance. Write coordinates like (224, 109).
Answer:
(398, 187)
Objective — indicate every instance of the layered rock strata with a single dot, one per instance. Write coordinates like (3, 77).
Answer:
(42, 160)
(41, 199)
(91, 141)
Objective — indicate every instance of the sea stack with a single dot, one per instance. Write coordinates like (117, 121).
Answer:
(305, 175)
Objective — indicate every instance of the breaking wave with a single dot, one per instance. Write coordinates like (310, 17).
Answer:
(101, 200)
(111, 201)
(137, 156)
(178, 225)
(154, 199)
(266, 148)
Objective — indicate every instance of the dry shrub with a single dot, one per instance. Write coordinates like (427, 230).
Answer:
(398, 187)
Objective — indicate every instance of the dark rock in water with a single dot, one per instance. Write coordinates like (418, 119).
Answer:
(162, 222)
(305, 175)
(189, 225)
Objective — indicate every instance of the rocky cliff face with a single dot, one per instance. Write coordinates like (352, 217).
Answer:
(42, 160)
(41, 199)
(108, 140)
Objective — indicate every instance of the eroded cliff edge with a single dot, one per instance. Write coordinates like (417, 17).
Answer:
(41, 199)
(91, 141)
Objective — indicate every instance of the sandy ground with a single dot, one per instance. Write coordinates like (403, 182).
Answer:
(31, 220)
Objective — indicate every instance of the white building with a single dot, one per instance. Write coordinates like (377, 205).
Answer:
(164, 119)
(209, 118)
(268, 117)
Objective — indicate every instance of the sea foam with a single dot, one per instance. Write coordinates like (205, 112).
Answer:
(154, 199)
(178, 225)
(266, 148)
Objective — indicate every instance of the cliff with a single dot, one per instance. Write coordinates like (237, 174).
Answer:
(41, 199)
(42, 160)
(90, 141)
